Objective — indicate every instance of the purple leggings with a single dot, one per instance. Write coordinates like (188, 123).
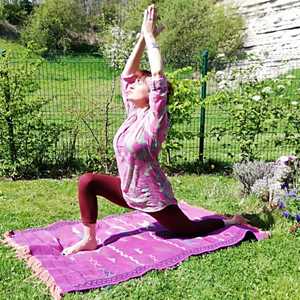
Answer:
(171, 217)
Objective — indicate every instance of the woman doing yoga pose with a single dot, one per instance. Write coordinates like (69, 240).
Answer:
(141, 183)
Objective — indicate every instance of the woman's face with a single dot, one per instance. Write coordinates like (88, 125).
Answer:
(138, 92)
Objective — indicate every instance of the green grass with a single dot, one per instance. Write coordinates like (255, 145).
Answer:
(13, 46)
(267, 269)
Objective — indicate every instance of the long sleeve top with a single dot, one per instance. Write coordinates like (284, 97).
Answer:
(137, 144)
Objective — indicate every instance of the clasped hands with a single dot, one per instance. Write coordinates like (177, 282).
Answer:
(149, 26)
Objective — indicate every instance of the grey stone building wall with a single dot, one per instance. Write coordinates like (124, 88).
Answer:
(272, 34)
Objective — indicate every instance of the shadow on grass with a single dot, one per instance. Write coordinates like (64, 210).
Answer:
(68, 167)
(198, 167)
(263, 220)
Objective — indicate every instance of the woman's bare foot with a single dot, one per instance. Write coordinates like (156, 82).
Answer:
(83, 245)
(236, 220)
(88, 242)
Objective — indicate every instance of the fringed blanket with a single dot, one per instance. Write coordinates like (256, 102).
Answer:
(129, 245)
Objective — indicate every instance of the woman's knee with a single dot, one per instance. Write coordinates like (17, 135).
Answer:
(168, 218)
(174, 220)
(86, 181)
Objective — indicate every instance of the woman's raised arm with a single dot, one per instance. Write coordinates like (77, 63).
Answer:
(148, 30)
(133, 63)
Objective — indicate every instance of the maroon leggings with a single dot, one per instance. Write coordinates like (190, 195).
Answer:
(171, 217)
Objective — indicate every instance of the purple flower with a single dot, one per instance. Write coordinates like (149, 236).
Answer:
(286, 214)
(292, 194)
(297, 218)
(284, 186)
(281, 204)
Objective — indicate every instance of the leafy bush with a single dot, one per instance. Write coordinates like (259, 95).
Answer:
(290, 121)
(107, 14)
(116, 41)
(55, 24)
(1, 11)
(15, 12)
(289, 202)
(26, 140)
(191, 27)
(182, 105)
(290, 206)
(253, 109)
(117, 46)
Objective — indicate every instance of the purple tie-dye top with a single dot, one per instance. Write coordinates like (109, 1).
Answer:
(137, 144)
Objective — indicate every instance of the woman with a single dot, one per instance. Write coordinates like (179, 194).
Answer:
(141, 184)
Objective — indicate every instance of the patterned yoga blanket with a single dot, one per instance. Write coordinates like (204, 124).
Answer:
(129, 245)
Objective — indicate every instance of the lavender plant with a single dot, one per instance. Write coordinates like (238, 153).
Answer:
(249, 173)
(289, 202)
(277, 182)
(290, 205)
(261, 188)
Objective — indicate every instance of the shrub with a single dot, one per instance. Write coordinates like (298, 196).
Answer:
(55, 24)
(290, 208)
(26, 140)
(251, 110)
(247, 173)
(108, 14)
(289, 202)
(182, 105)
(1, 11)
(290, 121)
(116, 41)
(191, 27)
(15, 12)
(117, 46)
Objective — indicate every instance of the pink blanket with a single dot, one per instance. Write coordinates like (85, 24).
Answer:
(130, 245)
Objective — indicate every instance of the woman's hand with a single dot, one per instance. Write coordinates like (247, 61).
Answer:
(149, 22)
(149, 30)
(158, 30)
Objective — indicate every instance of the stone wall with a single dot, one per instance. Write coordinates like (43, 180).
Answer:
(272, 33)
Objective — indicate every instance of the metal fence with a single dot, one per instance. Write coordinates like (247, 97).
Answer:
(85, 95)
(260, 71)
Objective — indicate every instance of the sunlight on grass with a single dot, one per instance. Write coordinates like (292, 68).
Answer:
(262, 270)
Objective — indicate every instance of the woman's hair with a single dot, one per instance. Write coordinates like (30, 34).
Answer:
(147, 73)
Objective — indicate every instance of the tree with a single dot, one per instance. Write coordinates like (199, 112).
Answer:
(15, 12)
(55, 25)
(191, 27)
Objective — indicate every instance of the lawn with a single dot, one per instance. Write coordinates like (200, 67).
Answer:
(268, 269)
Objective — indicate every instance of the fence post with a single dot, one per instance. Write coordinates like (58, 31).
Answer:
(202, 108)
